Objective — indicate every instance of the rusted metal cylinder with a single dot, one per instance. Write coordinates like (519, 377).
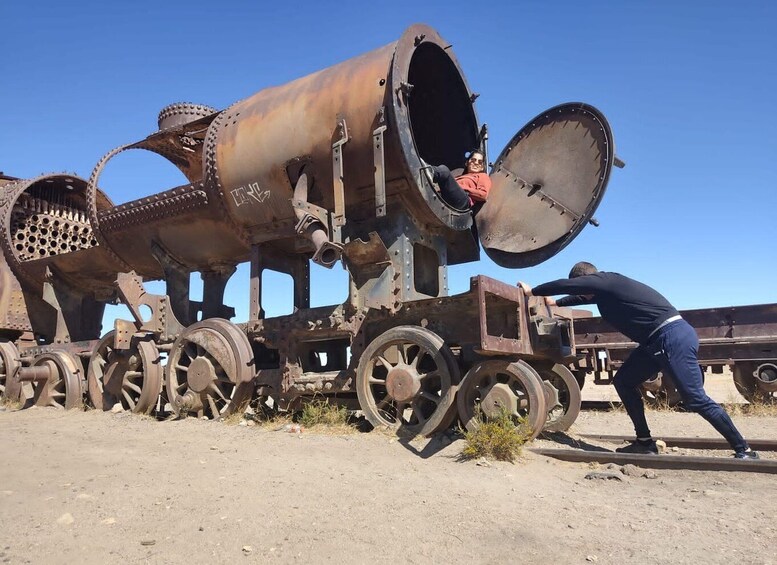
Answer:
(45, 227)
(414, 88)
(183, 221)
(352, 128)
(766, 377)
(654, 383)
(36, 373)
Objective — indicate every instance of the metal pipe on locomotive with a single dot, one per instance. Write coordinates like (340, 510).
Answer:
(328, 168)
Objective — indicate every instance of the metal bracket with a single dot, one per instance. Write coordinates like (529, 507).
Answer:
(380, 166)
(483, 135)
(77, 313)
(312, 214)
(338, 220)
(133, 295)
(214, 281)
(62, 335)
(124, 331)
(256, 312)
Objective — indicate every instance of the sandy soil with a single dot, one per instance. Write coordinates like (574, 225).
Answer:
(93, 487)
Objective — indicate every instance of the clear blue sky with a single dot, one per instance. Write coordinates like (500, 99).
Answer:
(688, 88)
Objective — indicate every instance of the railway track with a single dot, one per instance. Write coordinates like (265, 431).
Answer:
(691, 442)
(595, 454)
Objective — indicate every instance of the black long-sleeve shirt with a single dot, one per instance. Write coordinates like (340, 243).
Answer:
(632, 307)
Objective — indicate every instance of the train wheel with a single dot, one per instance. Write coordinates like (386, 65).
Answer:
(493, 386)
(562, 398)
(210, 370)
(9, 364)
(746, 381)
(64, 388)
(406, 380)
(660, 392)
(132, 377)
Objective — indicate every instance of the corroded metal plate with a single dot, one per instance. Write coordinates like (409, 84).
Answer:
(547, 183)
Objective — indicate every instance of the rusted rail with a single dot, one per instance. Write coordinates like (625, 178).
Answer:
(691, 442)
(678, 462)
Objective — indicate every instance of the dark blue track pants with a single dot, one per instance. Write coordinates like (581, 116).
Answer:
(674, 350)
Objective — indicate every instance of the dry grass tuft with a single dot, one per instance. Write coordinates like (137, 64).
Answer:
(234, 419)
(764, 409)
(617, 407)
(10, 404)
(320, 413)
(659, 404)
(732, 405)
(761, 405)
(275, 422)
(499, 438)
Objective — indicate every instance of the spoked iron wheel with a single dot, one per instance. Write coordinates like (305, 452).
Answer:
(754, 385)
(406, 380)
(562, 397)
(498, 386)
(64, 388)
(9, 364)
(131, 377)
(210, 370)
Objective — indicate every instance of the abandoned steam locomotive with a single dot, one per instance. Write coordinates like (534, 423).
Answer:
(327, 168)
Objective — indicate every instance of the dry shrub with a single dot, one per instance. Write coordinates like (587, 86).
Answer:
(320, 412)
(761, 408)
(497, 437)
(732, 405)
(275, 422)
(234, 419)
(761, 404)
(10, 404)
(659, 404)
(617, 407)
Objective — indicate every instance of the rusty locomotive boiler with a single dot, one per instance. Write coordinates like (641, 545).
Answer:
(328, 168)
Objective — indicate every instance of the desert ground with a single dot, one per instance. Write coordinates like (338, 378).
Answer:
(101, 487)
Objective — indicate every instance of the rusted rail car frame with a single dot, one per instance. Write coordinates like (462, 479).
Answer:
(740, 337)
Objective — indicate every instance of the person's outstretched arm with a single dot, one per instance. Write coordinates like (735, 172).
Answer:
(581, 289)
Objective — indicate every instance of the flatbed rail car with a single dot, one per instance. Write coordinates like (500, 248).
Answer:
(743, 338)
